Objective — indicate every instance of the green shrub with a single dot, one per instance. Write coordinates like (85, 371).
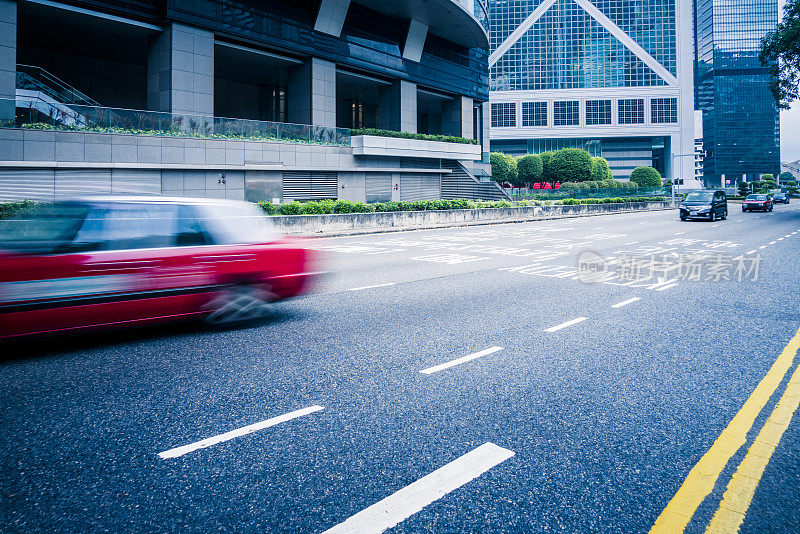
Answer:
(767, 177)
(600, 170)
(569, 186)
(571, 165)
(547, 168)
(409, 135)
(312, 208)
(529, 169)
(291, 208)
(786, 177)
(791, 183)
(16, 208)
(344, 206)
(504, 168)
(646, 177)
(360, 207)
(744, 188)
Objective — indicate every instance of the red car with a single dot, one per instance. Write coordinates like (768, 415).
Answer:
(757, 202)
(119, 261)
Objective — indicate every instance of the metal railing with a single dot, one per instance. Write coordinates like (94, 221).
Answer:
(611, 192)
(35, 114)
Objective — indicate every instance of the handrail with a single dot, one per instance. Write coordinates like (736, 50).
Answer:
(52, 85)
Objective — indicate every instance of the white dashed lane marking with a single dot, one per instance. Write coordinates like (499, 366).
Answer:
(751, 252)
(459, 361)
(626, 302)
(411, 499)
(227, 436)
(664, 288)
(371, 287)
(566, 325)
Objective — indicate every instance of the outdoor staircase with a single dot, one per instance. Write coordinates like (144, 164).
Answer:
(460, 183)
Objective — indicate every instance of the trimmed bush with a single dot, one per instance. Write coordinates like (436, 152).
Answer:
(529, 169)
(547, 169)
(408, 135)
(571, 165)
(15, 209)
(646, 177)
(504, 168)
(291, 208)
(600, 170)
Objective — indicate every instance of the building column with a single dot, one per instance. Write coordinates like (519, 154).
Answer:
(457, 117)
(180, 71)
(8, 58)
(312, 93)
(398, 107)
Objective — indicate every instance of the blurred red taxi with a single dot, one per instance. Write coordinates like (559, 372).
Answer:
(119, 261)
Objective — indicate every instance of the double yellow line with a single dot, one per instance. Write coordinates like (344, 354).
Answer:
(701, 479)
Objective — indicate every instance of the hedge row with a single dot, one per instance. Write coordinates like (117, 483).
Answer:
(346, 206)
(617, 200)
(408, 135)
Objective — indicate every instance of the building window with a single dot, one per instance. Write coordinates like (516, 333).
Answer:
(663, 110)
(631, 111)
(566, 113)
(504, 115)
(534, 113)
(598, 112)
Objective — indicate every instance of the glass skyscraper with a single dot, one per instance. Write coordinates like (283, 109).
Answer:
(611, 76)
(741, 128)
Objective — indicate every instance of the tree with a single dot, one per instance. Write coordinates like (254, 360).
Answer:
(745, 188)
(571, 165)
(529, 169)
(646, 177)
(504, 168)
(785, 177)
(768, 182)
(780, 53)
(547, 171)
(600, 170)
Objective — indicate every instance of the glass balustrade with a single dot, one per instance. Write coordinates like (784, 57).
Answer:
(36, 114)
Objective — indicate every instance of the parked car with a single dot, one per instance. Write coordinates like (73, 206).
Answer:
(711, 205)
(110, 262)
(783, 198)
(761, 202)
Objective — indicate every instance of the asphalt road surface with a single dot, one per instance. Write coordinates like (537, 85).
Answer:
(561, 376)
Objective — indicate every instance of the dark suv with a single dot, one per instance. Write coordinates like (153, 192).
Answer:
(711, 205)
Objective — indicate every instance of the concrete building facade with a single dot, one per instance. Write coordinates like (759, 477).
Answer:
(611, 76)
(244, 99)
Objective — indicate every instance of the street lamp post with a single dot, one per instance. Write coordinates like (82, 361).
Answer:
(674, 179)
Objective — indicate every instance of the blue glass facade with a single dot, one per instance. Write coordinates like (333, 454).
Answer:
(568, 49)
(741, 128)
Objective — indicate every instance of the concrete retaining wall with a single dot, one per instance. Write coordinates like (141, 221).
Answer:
(355, 223)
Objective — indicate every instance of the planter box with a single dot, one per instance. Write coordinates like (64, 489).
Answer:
(372, 145)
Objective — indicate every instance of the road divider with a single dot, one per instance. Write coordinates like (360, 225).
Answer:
(700, 481)
(459, 361)
(363, 223)
(408, 501)
(227, 436)
(566, 325)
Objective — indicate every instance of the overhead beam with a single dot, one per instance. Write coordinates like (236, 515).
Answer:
(415, 41)
(331, 15)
